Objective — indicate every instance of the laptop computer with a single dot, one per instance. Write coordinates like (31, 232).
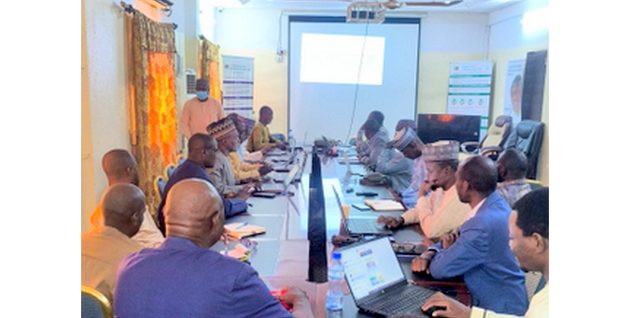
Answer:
(285, 184)
(377, 282)
(356, 227)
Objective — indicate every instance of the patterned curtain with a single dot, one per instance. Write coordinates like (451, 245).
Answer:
(210, 67)
(153, 106)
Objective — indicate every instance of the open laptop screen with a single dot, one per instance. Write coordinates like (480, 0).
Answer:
(370, 267)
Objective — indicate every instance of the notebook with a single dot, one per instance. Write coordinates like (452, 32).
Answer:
(377, 282)
(242, 230)
(384, 205)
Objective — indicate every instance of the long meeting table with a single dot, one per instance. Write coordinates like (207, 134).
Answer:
(296, 247)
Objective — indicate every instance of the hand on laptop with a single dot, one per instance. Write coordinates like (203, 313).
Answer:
(264, 170)
(390, 221)
(245, 192)
(266, 149)
(453, 307)
(420, 264)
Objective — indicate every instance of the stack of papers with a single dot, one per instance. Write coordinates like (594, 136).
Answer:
(384, 205)
(242, 230)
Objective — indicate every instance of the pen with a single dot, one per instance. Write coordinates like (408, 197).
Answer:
(241, 225)
(249, 204)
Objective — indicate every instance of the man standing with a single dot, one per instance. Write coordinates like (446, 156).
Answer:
(260, 136)
(184, 278)
(121, 167)
(442, 211)
(104, 247)
(529, 241)
(202, 149)
(200, 111)
(480, 252)
(512, 169)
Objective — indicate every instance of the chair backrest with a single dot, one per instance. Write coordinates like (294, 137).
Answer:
(168, 171)
(181, 159)
(498, 132)
(159, 183)
(95, 304)
(527, 137)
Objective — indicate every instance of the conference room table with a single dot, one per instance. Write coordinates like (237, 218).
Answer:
(296, 248)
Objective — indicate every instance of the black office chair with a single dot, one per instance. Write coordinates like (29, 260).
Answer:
(527, 137)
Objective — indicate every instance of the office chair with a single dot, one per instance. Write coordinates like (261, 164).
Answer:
(181, 159)
(159, 183)
(493, 141)
(168, 171)
(527, 137)
(95, 304)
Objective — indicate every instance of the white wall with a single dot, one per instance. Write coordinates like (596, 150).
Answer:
(445, 38)
(105, 93)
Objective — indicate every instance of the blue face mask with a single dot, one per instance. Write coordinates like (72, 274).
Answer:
(202, 95)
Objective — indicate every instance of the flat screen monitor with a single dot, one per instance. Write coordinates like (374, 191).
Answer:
(433, 127)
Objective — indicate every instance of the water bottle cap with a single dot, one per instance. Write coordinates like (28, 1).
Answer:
(337, 255)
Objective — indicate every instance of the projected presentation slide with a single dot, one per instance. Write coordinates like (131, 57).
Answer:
(338, 59)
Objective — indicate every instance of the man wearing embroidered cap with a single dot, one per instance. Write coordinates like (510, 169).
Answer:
(407, 141)
(225, 133)
(442, 211)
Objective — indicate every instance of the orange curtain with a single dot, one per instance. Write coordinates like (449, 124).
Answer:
(153, 106)
(210, 67)
(162, 107)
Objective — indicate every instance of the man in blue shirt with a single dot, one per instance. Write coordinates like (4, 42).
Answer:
(480, 251)
(202, 149)
(184, 278)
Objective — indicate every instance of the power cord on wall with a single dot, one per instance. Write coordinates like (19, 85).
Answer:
(355, 96)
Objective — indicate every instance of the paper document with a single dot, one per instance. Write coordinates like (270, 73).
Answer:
(384, 205)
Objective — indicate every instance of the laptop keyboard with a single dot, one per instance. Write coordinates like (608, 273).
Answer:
(363, 226)
(407, 299)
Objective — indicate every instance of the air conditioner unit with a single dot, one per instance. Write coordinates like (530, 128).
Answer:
(191, 81)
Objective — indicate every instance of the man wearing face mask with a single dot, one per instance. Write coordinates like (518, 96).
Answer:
(200, 111)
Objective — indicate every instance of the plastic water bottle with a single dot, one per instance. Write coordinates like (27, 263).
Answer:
(291, 140)
(336, 279)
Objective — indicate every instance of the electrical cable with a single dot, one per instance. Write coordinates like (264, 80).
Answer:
(355, 97)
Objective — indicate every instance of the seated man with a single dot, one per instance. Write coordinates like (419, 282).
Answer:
(104, 247)
(529, 241)
(121, 168)
(480, 252)
(512, 169)
(225, 133)
(184, 278)
(245, 127)
(202, 149)
(413, 151)
(376, 142)
(442, 211)
(260, 136)
(377, 116)
(393, 164)
(242, 172)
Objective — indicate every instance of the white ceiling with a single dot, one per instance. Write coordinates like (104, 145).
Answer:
(476, 6)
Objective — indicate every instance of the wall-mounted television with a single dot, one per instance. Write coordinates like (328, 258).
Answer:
(434, 127)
